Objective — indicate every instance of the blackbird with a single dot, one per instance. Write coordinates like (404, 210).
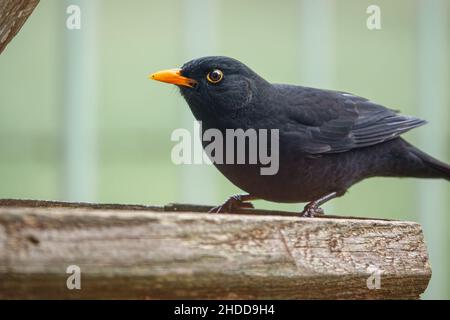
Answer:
(328, 140)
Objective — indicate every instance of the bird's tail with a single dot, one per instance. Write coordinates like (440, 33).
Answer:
(438, 168)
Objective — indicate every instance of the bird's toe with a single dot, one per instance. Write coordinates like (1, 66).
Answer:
(233, 204)
(311, 212)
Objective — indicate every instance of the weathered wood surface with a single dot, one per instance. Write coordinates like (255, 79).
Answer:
(150, 252)
(13, 14)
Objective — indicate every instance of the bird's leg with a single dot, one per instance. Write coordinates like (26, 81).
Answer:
(313, 208)
(233, 203)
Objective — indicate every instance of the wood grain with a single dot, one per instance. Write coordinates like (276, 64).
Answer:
(13, 14)
(154, 254)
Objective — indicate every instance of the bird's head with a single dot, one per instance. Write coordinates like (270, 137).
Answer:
(213, 86)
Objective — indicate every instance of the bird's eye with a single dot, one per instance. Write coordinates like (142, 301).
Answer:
(215, 76)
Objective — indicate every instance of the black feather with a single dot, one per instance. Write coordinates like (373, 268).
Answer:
(340, 122)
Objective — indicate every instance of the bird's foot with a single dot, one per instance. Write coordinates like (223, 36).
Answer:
(231, 205)
(311, 210)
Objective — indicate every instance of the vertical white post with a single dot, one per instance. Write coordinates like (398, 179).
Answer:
(317, 47)
(200, 20)
(433, 84)
(79, 135)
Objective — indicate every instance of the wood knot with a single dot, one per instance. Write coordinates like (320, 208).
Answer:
(335, 244)
(32, 239)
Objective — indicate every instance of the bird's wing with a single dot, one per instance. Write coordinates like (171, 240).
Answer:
(330, 122)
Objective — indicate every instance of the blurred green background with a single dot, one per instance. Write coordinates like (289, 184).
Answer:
(80, 121)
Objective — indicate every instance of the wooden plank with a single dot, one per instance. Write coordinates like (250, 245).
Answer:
(13, 14)
(128, 253)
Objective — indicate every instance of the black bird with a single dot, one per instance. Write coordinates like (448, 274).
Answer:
(328, 140)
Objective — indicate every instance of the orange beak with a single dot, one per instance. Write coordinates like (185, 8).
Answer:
(173, 76)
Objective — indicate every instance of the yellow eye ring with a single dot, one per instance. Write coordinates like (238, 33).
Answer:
(215, 76)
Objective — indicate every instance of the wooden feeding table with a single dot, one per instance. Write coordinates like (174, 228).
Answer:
(179, 251)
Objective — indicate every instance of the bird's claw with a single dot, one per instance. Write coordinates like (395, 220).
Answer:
(233, 204)
(312, 211)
